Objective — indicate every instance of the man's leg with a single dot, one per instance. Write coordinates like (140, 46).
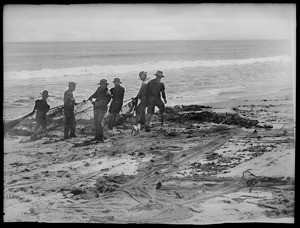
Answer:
(112, 119)
(138, 111)
(43, 124)
(150, 111)
(96, 121)
(148, 120)
(72, 125)
(67, 126)
(142, 114)
(37, 125)
(162, 109)
(100, 119)
(143, 117)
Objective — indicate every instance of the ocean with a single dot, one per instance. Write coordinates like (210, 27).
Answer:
(196, 72)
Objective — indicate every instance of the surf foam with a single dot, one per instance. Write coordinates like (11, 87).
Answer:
(133, 68)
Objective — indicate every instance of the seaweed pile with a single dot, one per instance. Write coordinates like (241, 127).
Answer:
(209, 116)
(188, 108)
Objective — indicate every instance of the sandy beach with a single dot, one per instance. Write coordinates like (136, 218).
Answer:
(206, 166)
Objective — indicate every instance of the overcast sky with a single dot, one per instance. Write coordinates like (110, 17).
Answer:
(148, 22)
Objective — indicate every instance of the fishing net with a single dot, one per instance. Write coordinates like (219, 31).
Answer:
(157, 195)
(84, 113)
(162, 194)
(26, 127)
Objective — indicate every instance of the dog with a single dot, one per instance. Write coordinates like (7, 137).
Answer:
(135, 129)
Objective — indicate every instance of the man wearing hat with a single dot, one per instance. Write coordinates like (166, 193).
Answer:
(140, 108)
(103, 97)
(154, 91)
(42, 107)
(117, 102)
(69, 103)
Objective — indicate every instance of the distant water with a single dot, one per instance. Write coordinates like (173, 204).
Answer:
(196, 71)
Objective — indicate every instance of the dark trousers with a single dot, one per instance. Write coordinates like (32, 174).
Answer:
(141, 113)
(41, 121)
(155, 101)
(112, 119)
(70, 124)
(99, 114)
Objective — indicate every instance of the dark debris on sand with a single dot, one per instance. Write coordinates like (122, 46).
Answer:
(209, 116)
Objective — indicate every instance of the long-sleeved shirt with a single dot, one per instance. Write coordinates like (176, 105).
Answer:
(69, 100)
(103, 97)
(117, 99)
(155, 89)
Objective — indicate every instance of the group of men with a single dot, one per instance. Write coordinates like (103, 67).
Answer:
(148, 97)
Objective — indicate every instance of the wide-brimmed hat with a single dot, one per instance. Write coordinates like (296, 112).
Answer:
(142, 73)
(72, 83)
(159, 73)
(45, 93)
(117, 81)
(103, 82)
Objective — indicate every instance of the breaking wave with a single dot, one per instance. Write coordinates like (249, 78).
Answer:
(149, 66)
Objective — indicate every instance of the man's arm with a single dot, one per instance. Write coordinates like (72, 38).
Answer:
(94, 95)
(139, 95)
(34, 107)
(66, 97)
(123, 93)
(107, 97)
(112, 93)
(163, 93)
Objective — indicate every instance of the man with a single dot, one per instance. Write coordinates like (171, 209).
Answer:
(154, 90)
(117, 102)
(103, 97)
(42, 107)
(140, 108)
(69, 103)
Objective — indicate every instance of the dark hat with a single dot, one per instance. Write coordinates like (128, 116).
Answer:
(142, 73)
(159, 73)
(72, 83)
(45, 93)
(103, 82)
(117, 81)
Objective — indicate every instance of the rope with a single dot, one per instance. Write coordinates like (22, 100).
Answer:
(286, 125)
(128, 100)
(126, 104)
(225, 119)
(57, 107)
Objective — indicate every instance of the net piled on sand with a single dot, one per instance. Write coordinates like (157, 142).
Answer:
(160, 194)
